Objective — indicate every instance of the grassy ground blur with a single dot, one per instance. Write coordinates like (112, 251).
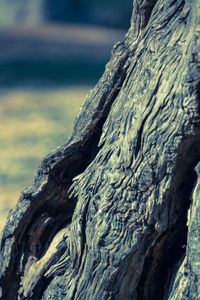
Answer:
(35, 119)
(33, 122)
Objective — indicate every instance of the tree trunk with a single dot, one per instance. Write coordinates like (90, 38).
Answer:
(115, 213)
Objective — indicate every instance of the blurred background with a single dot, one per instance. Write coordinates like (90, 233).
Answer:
(51, 53)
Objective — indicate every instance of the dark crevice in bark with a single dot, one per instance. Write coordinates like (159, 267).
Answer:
(162, 260)
(139, 137)
(74, 293)
(83, 231)
(49, 214)
(40, 289)
(139, 134)
(145, 11)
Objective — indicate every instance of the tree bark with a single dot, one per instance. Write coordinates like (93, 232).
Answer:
(115, 213)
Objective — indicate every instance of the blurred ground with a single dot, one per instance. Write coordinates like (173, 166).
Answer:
(33, 122)
(45, 74)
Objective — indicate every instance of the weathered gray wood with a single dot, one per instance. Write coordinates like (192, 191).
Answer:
(107, 216)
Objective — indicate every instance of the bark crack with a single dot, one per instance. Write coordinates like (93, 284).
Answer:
(165, 255)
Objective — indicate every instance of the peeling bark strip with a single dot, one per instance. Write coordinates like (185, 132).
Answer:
(107, 216)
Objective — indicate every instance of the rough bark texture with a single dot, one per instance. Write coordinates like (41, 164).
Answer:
(115, 213)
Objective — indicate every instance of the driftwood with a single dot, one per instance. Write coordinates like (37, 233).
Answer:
(115, 213)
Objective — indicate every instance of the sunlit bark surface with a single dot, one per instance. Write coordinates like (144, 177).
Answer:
(115, 213)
